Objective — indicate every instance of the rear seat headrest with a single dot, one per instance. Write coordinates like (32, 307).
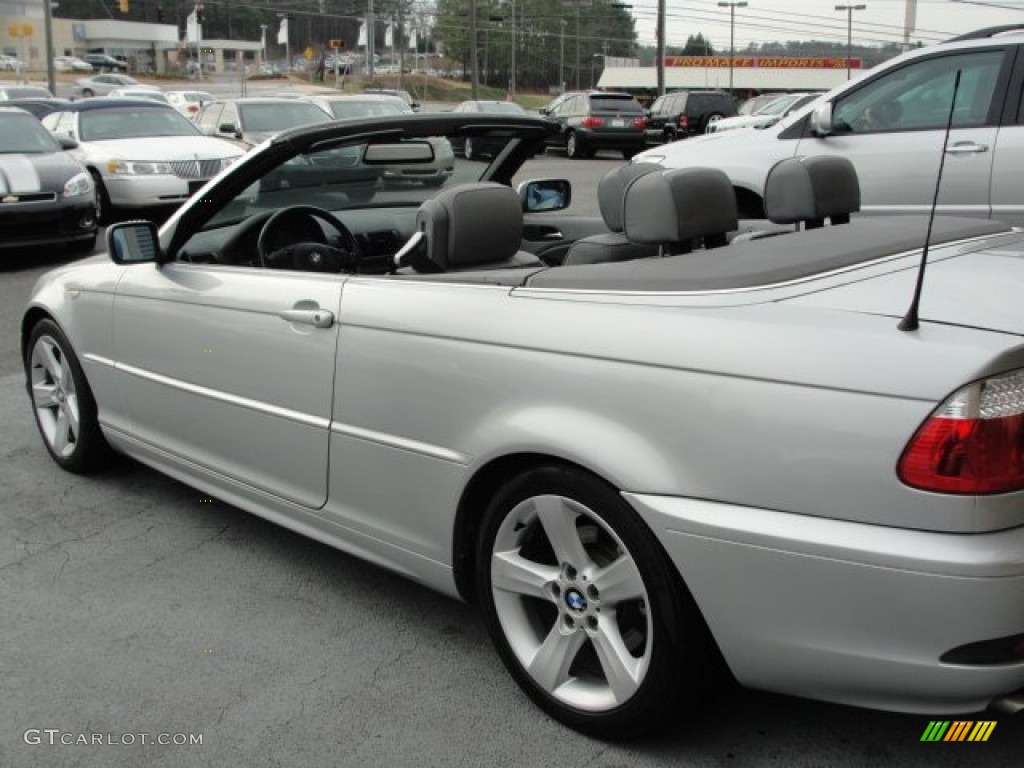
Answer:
(678, 206)
(811, 189)
(611, 191)
(469, 224)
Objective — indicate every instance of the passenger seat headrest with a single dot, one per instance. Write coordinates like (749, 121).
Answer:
(678, 206)
(469, 224)
(801, 189)
(611, 191)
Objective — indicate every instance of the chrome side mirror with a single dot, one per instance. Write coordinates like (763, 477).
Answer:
(821, 119)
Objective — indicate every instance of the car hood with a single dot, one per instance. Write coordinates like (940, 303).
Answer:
(978, 288)
(707, 148)
(30, 173)
(163, 148)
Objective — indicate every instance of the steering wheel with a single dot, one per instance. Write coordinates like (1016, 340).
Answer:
(315, 256)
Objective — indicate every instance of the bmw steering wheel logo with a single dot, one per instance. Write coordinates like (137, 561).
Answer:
(576, 601)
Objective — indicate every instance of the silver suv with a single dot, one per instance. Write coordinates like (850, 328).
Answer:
(891, 124)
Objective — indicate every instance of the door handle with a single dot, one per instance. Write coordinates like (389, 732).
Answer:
(318, 318)
(535, 232)
(967, 148)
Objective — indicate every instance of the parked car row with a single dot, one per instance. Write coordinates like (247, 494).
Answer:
(892, 124)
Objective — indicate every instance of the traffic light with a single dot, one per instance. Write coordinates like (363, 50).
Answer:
(160, 14)
(199, 13)
(122, 5)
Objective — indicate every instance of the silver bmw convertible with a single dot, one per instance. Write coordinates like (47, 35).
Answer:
(655, 455)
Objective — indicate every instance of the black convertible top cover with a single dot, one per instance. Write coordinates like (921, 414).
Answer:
(769, 260)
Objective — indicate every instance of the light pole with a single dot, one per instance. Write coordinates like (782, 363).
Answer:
(593, 64)
(561, 58)
(732, 6)
(849, 30)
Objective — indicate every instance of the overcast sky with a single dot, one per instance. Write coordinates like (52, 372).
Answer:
(769, 20)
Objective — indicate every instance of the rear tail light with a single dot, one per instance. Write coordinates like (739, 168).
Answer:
(592, 122)
(973, 443)
(640, 122)
(193, 107)
(684, 121)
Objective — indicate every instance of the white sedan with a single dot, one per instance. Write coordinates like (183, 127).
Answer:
(140, 153)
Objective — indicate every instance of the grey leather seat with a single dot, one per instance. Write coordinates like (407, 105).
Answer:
(469, 227)
(809, 190)
(614, 246)
(806, 191)
(680, 209)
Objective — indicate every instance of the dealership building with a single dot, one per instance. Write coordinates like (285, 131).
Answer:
(146, 47)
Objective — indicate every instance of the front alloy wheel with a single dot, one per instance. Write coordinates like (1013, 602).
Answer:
(64, 407)
(583, 605)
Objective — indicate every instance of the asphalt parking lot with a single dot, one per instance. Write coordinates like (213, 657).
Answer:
(135, 608)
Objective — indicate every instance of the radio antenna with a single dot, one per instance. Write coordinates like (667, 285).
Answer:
(910, 320)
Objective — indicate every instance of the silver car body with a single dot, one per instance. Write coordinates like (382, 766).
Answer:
(898, 166)
(753, 429)
(103, 84)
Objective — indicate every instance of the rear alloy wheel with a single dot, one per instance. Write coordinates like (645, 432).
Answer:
(713, 118)
(584, 607)
(574, 147)
(467, 149)
(62, 402)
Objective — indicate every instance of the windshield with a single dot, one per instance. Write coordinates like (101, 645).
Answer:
(501, 107)
(337, 179)
(23, 134)
(612, 104)
(133, 123)
(344, 108)
(27, 92)
(271, 118)
(778, 106)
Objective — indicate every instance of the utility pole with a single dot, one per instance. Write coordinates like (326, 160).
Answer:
(561, 58)
(849, 31)
(474, 74)
(732, 6)
(660, 45)
(51, 79)
(371, 29)
(512, 77)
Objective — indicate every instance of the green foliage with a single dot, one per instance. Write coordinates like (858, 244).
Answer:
(546, 38)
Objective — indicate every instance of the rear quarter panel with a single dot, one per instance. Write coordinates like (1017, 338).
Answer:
(785, 408)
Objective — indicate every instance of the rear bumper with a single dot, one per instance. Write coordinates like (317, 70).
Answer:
(848, 612)
(611, 140)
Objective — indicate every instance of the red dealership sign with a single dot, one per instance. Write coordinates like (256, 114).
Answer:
(763, 62)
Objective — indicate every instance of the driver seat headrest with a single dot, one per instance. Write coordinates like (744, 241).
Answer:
(470, 225)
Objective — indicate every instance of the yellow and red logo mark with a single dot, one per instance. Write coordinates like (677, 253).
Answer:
(958, 730)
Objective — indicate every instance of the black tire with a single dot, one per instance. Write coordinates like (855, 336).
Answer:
(670, 135)
(714, 117)
(61, 397)
(574, 148)
(87, 92)
(651, 632)
(104, 210)
(630, 152)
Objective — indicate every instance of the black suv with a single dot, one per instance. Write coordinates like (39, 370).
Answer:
(680, 114)
(593, 120)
